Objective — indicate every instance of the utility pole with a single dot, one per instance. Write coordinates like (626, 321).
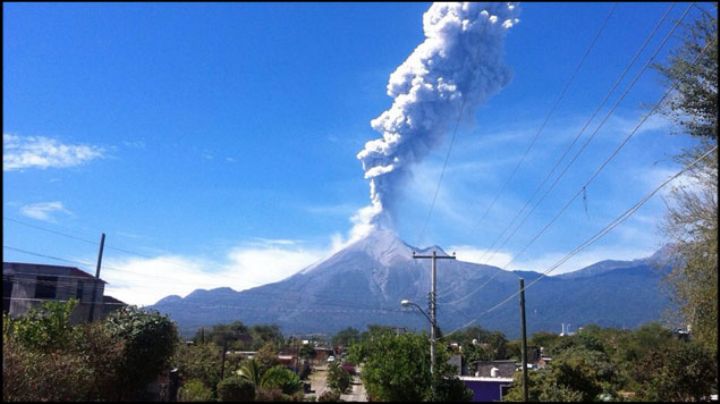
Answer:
(433, 319)
(97, 278)
(222, 358)
(524, 339)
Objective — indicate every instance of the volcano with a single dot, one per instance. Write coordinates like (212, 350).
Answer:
(364, 283)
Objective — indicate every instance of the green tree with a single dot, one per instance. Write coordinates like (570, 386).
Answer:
(692, 219)
(338, 378)
(263, 334)
(282, 378)
(234, 388)
(346, 337)
(329, 396)
(235, 335)
(33, 375)
(194, 390)
(576, 374)
(199, 362)
(684, 371)
(267, 356)
(397, 368)
(150, 340)
(251, 371)
(46, 327)
(542, 386)
(544, 339)
(693, 69)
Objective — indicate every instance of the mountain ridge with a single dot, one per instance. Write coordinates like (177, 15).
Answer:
(364, 282)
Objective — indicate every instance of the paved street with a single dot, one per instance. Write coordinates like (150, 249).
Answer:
(318, 383)
(357, 393)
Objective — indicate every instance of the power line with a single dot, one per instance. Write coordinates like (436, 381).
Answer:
(549, 114)
(65, 286)
(58, 300)
(609, 227)
(280, 295)
(602, 123)
(615, 85)
(59, 233)
(592, 177)
(78, 238)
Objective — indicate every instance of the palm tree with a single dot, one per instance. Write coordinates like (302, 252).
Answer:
(250, 371)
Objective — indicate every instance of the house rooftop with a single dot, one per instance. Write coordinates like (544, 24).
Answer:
(486, 379)
(111, 300)
(22, 268)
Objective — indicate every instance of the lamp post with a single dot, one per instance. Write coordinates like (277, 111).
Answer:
(406, 303)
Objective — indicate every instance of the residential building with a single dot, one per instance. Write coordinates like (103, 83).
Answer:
(487, 388)
(498, 368)
(28, 285)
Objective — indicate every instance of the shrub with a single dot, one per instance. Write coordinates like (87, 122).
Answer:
(30, 375)
(329, 396)
(338, 378)
(271, 395)
(194, 390)
(150, 340)
(279, 377)
(102, 354)
(235, 389)
(201, 362)
(46, 327)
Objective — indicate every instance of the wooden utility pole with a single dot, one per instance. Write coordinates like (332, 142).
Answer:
(433, 320)
(524, 339)
(222, 359)
(97, 278)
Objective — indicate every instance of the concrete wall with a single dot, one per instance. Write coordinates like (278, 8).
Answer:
(24, 295)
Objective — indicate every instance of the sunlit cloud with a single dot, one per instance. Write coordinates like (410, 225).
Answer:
(21, 152)
(43, 210)
(144, 281)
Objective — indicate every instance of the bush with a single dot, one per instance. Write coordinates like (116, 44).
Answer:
(194, 390)
(338, 378)
(329, 396)
(46, 327)
(45, 358)
(102, 354)
(271, 395)
(279, 377)
(201, 362)
(150, 341)
(30, 375)
(235, 389)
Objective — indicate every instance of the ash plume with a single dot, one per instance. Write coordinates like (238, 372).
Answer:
(457, 67)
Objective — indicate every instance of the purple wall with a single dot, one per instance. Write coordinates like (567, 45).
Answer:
(486, 390)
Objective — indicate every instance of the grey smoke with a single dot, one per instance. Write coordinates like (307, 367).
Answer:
(457, 67)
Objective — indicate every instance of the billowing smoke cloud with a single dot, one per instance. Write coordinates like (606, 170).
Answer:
(457, 67)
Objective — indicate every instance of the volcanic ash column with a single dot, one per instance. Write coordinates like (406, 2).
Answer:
(457, 67)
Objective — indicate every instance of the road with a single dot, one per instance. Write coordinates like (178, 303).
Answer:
(318, 383)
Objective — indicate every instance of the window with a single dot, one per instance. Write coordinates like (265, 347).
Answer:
(46, 287)
(79, 293)
(504, 389)
(7, 294)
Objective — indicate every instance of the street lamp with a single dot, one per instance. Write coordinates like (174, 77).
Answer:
(406, 303)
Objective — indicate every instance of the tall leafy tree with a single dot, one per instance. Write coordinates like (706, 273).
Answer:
(692, 220)
(397, 368)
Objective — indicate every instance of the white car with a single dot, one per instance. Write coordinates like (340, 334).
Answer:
(331, 358)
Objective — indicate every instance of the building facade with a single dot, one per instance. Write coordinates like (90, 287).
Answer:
(29, 285)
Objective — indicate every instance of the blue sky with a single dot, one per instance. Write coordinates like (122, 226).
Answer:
(219, 141)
